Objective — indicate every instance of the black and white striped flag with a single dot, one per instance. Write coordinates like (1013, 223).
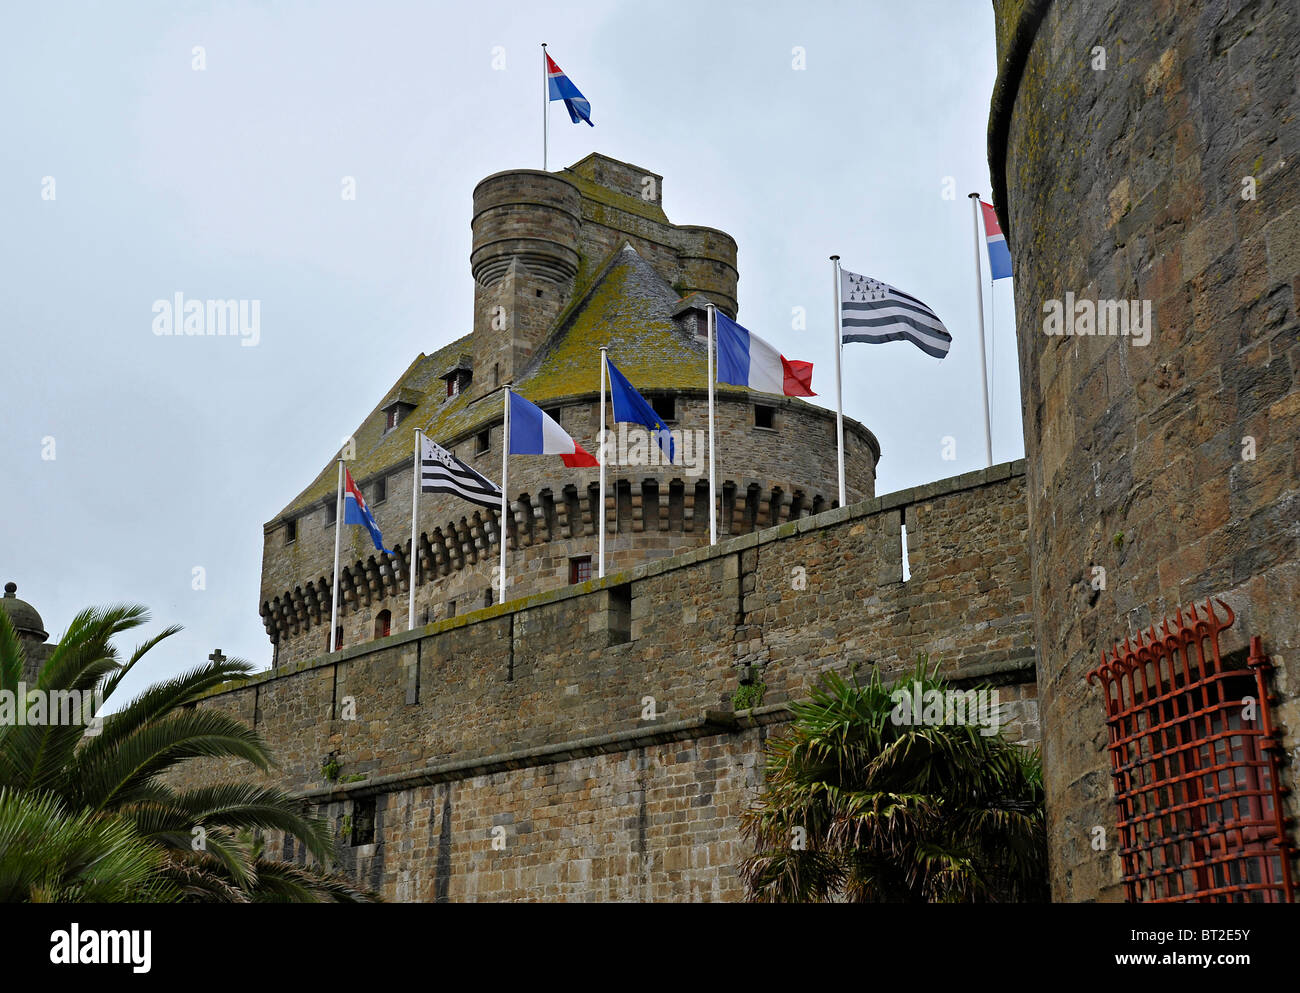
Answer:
(442, 472)
(874, 312)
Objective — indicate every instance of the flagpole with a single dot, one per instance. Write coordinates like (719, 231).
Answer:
(546, 106)
(979, 304)
(505, 461)
(412, 566)
(713, 495)
(604, 357)
(839, 377)
(334, 586)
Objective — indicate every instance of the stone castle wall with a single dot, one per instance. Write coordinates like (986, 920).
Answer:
(532, 716)
(652, 511)
(1173, 466)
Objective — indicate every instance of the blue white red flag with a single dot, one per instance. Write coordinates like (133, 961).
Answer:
(999, 254)
(560, 87)
(355, 511)
(745, 359)
(533, 432)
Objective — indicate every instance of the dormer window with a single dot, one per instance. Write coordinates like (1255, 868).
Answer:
(395, 410)
(458, 377)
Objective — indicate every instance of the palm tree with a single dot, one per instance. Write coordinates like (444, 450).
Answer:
(50, 856)
(203, 838)
(861, 808)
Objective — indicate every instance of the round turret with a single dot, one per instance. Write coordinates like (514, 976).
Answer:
(23, 616)
(526, 215)
(708, 260)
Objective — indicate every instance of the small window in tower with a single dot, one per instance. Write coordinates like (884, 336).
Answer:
(384, 624)
(331, 512)
(291, 532)
(496, 374)
(453, 386)
(482, 441)
(381, 490)
(338, 637)
(393, 417)
(579, 569)
(764, 417)
(539, 292)
(665, 405)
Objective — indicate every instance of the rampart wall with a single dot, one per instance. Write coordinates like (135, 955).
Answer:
(534, 716)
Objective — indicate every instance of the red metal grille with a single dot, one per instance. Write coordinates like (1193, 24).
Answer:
(1196, 773)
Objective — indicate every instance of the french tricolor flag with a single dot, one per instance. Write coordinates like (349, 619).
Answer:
(532, 432)
(745, 359)
(999, 254)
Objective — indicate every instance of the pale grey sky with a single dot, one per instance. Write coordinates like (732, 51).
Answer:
(170, 453)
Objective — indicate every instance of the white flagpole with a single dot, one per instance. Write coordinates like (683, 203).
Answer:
(713, 495)
(839, 378)
(979, 306)
(505, 461)
(604, 357)
(413, 564)
(546, 106)
(334, 586)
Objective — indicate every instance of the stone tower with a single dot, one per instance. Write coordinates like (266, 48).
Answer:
(1150, 153)
(563, 263)
(538, 236)
(31, 631)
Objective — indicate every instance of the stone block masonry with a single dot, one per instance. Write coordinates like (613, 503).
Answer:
(1169, 172)
(588, 731)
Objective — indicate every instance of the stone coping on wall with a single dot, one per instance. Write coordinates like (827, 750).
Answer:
(731, 546)
(711, 722)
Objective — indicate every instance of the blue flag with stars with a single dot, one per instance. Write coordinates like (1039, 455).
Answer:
(631, 406)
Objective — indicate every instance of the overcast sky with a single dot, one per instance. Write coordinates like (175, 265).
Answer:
(226, 181)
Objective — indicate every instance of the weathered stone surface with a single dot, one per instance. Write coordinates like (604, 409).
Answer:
(1127, 182)
(534, 715)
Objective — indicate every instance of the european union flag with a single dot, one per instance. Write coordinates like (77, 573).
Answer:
(631, 406)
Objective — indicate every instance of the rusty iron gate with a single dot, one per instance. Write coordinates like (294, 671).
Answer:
(1195, 760)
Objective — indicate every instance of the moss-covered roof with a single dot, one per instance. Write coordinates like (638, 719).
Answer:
(628, 307)
(376, 448)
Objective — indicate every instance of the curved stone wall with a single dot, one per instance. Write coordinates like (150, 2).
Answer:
(1150, 155)
(765, 477)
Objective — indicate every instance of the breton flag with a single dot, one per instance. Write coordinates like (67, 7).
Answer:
(355, 511)
(560, 87)
(745, 359)
(533, 432)
(631, 406)
(999, 254)
(442, 472)
(875, 312)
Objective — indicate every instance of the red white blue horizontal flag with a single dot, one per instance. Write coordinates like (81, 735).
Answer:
(560, 87)
(999, 254)
(355, 511)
